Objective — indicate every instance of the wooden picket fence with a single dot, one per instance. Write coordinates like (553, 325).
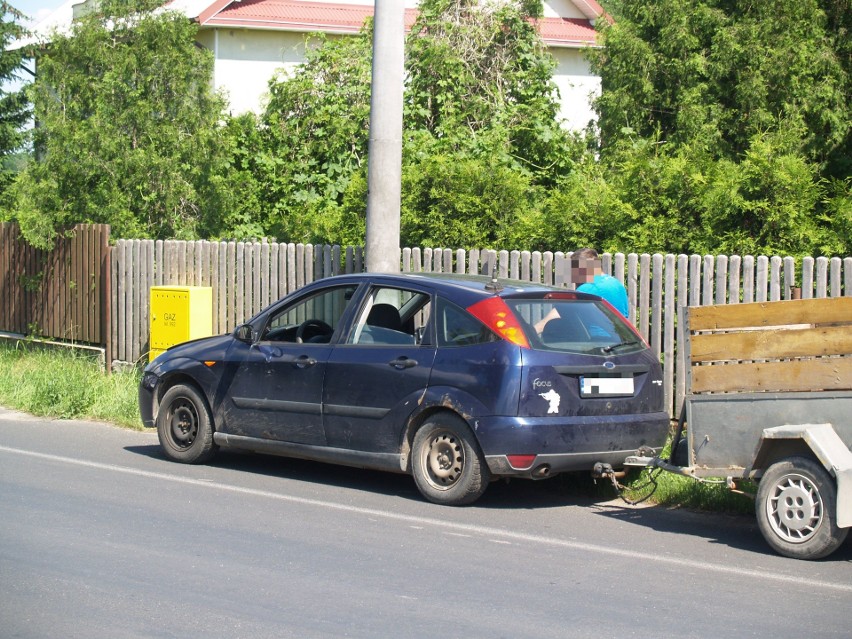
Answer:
(246, 277)
(86, 292)
(60, 293)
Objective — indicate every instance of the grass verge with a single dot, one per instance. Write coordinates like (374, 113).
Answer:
(66, 384)
(677, 491)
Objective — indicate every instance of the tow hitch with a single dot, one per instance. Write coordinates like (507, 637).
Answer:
(603, 471)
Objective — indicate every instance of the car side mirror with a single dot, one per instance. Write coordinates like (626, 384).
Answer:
(244, 333)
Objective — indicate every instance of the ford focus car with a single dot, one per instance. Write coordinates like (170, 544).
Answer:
(456, 380)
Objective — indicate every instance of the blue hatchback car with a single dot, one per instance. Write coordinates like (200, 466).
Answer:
(456, 380)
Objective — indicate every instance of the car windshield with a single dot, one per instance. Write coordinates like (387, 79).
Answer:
(574, 326)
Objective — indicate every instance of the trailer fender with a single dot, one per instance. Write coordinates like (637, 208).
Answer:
(828, 448)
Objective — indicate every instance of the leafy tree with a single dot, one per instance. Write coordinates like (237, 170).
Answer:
(482, 67)
(461, 197)
(314, 140)
(481, 137)
(720, 123)
(128, 129)
(14, 107)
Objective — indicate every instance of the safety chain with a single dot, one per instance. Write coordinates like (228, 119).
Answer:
(620, 489)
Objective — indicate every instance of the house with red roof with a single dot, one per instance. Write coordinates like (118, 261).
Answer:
(253, 39)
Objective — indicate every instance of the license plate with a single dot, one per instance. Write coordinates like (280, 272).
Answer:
(606, 386)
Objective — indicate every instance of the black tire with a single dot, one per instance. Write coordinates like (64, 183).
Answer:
(796, 509)
(447, 464)
(184, 426)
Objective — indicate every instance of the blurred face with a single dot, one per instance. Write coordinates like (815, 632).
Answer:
(584, 270)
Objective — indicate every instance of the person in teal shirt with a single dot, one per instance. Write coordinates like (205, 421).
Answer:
(587, 272)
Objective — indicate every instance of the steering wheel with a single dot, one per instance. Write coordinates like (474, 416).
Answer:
(319, 328)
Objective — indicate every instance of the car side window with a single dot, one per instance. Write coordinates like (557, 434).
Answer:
(392, 316)
(312, 320)
(457, 327)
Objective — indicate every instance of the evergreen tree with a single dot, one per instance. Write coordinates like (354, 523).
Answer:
(725, 126)
(14, 107)
(128, 129)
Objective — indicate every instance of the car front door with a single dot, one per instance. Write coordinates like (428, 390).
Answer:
(375, 376)
(276, 392)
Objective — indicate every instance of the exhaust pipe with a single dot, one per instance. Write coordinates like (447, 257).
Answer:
(541, 472)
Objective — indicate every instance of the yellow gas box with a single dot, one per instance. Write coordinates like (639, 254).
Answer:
(179, 314)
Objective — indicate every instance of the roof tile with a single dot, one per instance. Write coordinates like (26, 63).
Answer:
(296, 15)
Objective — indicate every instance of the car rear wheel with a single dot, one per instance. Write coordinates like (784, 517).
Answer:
(796, 506)
(447, 464)
(184, 426)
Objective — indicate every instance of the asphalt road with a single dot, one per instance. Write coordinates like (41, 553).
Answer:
(100, 536)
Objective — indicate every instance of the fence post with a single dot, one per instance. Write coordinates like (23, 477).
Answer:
(657, 284)
(669, 343)
(822, 276)
(644, 294)
(836, 264)
(632, 291)
(721, 279)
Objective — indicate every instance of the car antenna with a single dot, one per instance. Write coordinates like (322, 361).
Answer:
(494, 285)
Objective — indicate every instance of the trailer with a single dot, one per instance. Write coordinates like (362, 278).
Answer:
(769, 399)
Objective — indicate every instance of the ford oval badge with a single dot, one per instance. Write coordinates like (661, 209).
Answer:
(609, 365)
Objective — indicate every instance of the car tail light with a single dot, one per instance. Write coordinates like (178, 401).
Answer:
(494, 313)
(521, 462)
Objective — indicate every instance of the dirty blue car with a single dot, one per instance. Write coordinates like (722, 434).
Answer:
(455, 380)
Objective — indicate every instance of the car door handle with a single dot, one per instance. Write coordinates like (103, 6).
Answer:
(403, 362)
(304, 362)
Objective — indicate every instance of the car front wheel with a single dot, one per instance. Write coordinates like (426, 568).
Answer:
(184, 426)
(796, 508)
(447, 464)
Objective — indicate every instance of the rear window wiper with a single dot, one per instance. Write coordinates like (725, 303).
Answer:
(612, 347)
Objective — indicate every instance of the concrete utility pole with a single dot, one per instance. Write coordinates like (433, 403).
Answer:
(384, 168)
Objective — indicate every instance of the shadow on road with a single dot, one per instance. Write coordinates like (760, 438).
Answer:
(734, 531)
(556, 492)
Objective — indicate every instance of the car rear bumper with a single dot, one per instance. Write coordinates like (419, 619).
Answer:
(563, 445)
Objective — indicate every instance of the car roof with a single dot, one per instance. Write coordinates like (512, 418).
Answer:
(482, 284)
(462, 289)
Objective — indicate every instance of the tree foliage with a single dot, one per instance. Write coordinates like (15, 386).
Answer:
(726, 126)
(722, 127)
(14, 106)
(314, 140)
(128, 129)
(480, 130)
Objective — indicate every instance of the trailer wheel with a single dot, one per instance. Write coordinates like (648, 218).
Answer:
(796, 509)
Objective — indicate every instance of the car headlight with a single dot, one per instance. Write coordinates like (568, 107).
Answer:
(149, 381)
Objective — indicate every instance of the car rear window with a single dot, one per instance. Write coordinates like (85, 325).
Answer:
(574, 326)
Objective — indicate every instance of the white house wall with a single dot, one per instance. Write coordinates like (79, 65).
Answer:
(577, 86)
(246, 60)
(562, 9)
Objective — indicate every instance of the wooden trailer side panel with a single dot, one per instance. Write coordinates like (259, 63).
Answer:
(764, 365)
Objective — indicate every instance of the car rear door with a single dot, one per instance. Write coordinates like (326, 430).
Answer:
(375, 375)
